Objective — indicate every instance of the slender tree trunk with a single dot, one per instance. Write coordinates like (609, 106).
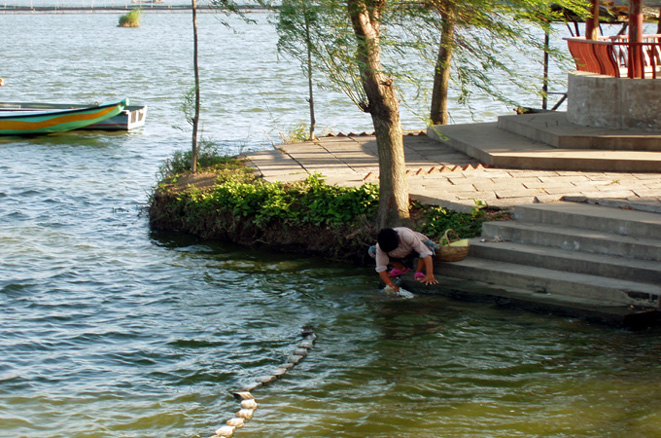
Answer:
(196, 117)
(383, 106)
(592, 22)
(313, 122)
(439, 100)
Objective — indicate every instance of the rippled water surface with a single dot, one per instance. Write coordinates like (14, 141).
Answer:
(108, 330)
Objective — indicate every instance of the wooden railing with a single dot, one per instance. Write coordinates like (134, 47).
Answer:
(615, 56)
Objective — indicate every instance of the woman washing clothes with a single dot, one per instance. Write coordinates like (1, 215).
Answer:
(394, 245)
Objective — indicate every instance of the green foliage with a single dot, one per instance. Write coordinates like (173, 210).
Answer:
(209, 158)
(310, 202)
(131, 19)
(296, 134)
(489, 36)
(434, 220)
(188, 105)
(309, 216)
(322, 30)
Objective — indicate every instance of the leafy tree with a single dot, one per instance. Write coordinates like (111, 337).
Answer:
(479, 38)
(295, 20)
(383, 106)
(343, 40)
(195, 119)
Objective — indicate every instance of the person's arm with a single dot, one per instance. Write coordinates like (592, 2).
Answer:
(429, 271)
(388, 281)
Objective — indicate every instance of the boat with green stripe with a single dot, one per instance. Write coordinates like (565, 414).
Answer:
(57, 120)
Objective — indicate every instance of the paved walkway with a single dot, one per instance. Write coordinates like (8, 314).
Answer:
(440, 175)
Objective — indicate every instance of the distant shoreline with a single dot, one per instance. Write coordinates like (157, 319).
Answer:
(8, 9)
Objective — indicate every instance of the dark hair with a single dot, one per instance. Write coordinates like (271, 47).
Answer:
(388, 239)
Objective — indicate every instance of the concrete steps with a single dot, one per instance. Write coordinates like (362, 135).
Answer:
(573, 239)
(557, 259)
(526, 142)
(604, 291)
(553, 129)
(600, 262)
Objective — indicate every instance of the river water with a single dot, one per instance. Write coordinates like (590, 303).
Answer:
(109, 330)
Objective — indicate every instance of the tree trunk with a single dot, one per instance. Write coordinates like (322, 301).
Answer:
(383, 106)
(439, 100)
(592, 22)
(308, 40)
(196, 117)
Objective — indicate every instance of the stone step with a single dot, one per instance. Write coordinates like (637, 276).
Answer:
(606, 291)
(500, 148)
(553, 129)
(593, 217)
(557, 259)
(468, 289)
(573, 239)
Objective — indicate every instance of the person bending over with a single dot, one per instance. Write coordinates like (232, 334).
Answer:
(394, 245)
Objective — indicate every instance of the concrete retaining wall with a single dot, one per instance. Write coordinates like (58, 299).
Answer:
(621, 103)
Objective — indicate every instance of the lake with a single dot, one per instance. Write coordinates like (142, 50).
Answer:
(110, 330)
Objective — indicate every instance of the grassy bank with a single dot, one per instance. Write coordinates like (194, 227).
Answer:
(227, 202)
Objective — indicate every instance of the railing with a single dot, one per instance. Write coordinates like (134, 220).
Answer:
(612, 56)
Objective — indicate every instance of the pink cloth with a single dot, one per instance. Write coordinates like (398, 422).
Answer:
(409, 242)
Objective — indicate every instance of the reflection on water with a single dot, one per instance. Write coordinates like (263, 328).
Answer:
(108, 330)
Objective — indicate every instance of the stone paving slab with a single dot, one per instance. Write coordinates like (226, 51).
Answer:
(439, 175)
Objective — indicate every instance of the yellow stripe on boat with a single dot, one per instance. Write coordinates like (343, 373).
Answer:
(58, 121)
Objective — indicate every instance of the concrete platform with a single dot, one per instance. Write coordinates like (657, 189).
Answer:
(439, 174)
(553, 129)
(498, 147)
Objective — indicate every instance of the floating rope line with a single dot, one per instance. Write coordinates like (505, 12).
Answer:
(245, 397)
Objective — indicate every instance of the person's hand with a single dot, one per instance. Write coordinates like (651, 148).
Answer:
(429, 279)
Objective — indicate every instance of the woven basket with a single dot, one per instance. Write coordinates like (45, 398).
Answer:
(452, 248)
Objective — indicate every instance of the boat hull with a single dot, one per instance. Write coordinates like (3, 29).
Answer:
(26, 121)
(132, 117)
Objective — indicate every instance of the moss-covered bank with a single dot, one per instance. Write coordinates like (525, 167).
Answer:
(227, 202)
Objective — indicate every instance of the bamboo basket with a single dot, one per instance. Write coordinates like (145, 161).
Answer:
(451, 247)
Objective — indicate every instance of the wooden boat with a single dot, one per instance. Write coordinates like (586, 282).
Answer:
(132, 117)
(29, 119)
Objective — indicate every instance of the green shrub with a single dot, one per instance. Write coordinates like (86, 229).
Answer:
(434, 220)
(131, 19)
(209, 159)
(310, 202)
(308, 216)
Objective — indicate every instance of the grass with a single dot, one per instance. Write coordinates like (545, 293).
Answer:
(131, 19)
